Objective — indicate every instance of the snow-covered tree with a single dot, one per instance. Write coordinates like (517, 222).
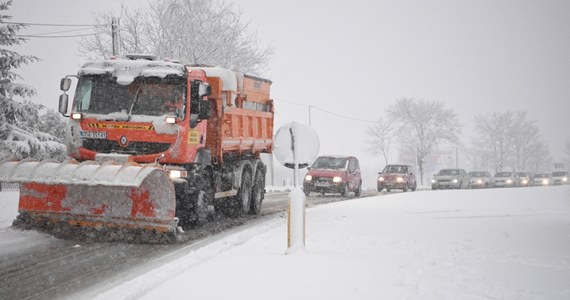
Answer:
(194, 31)
(20, 134)
(381, 136)
(423, 124)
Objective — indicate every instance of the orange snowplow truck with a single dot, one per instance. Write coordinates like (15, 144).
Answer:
(152, 144)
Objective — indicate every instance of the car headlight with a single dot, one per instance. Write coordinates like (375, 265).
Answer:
(454, 180)
(380, 178)
(399, 179)
(479, 181)
(177, 174)
(545, 181)
(433, 181)
(524, 181)
(565, 179)
(308, 178)
(337, 179)
(509, 181)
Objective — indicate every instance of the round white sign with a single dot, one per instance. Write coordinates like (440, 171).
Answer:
(296, 144)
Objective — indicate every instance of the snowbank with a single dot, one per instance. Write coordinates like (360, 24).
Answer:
(470, 244)
(8, 208)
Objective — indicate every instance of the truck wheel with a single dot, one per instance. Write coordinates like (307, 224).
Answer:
(199, 209)
(244, 194)
(258, 193)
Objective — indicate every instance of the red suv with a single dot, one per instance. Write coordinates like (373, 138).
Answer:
(400, 177)
(334, 174)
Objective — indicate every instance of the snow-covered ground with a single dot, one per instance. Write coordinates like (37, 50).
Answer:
(469, 244)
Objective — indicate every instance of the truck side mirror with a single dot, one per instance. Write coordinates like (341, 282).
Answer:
(65, 84)
(204, 90)
(63, 103)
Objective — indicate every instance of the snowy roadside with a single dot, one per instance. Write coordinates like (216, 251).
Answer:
(499, 243)
(8, 207)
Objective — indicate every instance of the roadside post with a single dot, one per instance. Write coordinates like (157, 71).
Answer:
(296, 145)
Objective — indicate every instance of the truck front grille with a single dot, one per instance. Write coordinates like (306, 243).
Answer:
(134, 148)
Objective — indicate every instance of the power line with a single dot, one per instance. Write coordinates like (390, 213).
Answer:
(53, 36)
(62, 31)
(328, 112)
(53, 24)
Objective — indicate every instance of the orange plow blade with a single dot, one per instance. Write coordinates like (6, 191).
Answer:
(94, 195)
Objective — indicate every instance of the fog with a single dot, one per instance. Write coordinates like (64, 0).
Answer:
(350, 60)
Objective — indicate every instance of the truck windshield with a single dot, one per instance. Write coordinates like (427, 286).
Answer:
(331, 163)
(144, 96)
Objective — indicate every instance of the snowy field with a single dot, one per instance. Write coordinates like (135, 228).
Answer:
(469, 244)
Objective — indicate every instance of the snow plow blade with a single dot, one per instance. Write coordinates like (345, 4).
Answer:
(90, 195)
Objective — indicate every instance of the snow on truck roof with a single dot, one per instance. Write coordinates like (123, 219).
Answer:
(126, 70)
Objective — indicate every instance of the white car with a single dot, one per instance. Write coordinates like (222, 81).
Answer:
(542, 179)
(504, 179)
(560, 177)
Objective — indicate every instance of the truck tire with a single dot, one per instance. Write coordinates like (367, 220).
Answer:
(199, 209)
(243, 198)
(258, 193)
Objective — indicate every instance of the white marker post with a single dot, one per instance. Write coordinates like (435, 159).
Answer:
(296, 145)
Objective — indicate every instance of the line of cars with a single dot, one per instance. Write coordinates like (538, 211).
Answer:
(459, 178)
(341, 174)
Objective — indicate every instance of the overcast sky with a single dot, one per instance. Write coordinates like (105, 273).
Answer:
(355, 58)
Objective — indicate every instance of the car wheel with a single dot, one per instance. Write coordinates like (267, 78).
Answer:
(358, 190)
(344, 190)
(405, 188)
(414, 187)
(387, 190)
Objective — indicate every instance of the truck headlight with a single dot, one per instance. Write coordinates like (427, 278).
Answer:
(337, 179)
(308, 178)
(177, 174)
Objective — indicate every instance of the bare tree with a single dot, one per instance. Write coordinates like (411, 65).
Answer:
(381, 137)
(193, 31)
(510, 140)
(495, 138)
(423, 124)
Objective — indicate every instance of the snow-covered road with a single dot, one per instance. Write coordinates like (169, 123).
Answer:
(469, 244)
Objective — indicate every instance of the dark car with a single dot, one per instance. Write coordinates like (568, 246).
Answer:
(559, 177)
(542, 179)
(450, 179)
(401, 177)
(480, 179)
(334, 174)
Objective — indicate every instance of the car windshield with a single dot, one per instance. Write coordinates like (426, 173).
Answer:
(449, 172)
(144, 96)
(477, 174)
(395, 169)
(504, 174)
(559, 173)
(522, 174)
(331, 163)
(541, 176)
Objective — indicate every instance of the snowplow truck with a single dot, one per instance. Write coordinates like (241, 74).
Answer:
(153, 145)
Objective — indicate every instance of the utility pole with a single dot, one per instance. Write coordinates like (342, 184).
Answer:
(309, 115)
(115, 36)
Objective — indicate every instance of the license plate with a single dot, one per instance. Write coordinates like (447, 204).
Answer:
(92, 135)
(322, 184)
